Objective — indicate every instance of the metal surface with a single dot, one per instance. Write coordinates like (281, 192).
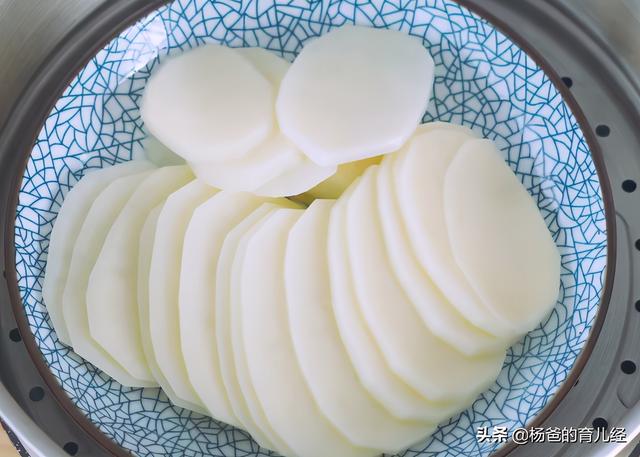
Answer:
(596, 43)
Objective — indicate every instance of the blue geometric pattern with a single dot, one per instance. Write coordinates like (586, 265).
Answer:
(483, 80)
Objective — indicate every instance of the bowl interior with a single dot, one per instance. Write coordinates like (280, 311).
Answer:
(483, 80)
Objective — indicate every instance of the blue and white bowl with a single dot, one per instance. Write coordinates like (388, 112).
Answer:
(483, 80)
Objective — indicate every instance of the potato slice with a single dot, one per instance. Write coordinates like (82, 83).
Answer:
(87, 245)
(442, 318)
(355, 93)
(112, 297)
(240, 393)
(374, 373)
(413, 352)
(158, 153)
(270, 65)
(498, 237)
(261, 165)
(208, 104)
(207, 229)
(320, 352)
(145, 250)
(419, 173)
(164, 282)
(272, 364)
(65, 231)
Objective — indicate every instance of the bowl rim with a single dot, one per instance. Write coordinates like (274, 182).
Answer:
(82, 43)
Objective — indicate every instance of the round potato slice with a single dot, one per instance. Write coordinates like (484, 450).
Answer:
(112, 295)
(499, 238)
(374, 373)
(158, 153)
(419, 173)
(270, 357)
(207, 229)
(442, 318)
(145, 251)
(257, 168)
(271, 66)
(65, 231)
(413, 352)
(320, 352)
(355, 93)
(87, 245)
(241, 397)
(164, 282)
(208, 104)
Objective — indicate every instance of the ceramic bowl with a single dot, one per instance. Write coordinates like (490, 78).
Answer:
(483, 80)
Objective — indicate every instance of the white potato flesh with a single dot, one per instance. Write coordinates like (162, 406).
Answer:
(499, 238)
(419, 173)
(257, 168)
(158, 153)
(413, 352)
(112, 296)
(374, 373)
(237, 342)
(87, 245)
(320, 352)
(208, 104)
(270, 65)
(228, 369)
(164, 281)
(275, 167)
(207, 229)
(296, 180)
(442, 319)
(355, 93)
(270, 356)
(67, 225)
(145, 250)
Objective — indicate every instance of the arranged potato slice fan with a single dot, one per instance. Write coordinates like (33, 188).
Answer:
(111, 298)
(351, 327)
(419, 174)
(88, 244)
(273, 369)
(355, 93)
(203, 240)
(66, 230)
(436, 370)
(322, 357)
(489, 214)
(164, 282)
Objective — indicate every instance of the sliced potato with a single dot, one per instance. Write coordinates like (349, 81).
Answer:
(208, 104)
(355, 93)
(147, 235)
(203, 239)
(436, 370)
(272, 364)
(164, 282)
(442, 318)
(499, 239)
(159, 154)
(320, 352)
(232, 377)
(112, 297)
(374, 373)
(419, 173)
(67, 226)
(87, 245)
(270, 65)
